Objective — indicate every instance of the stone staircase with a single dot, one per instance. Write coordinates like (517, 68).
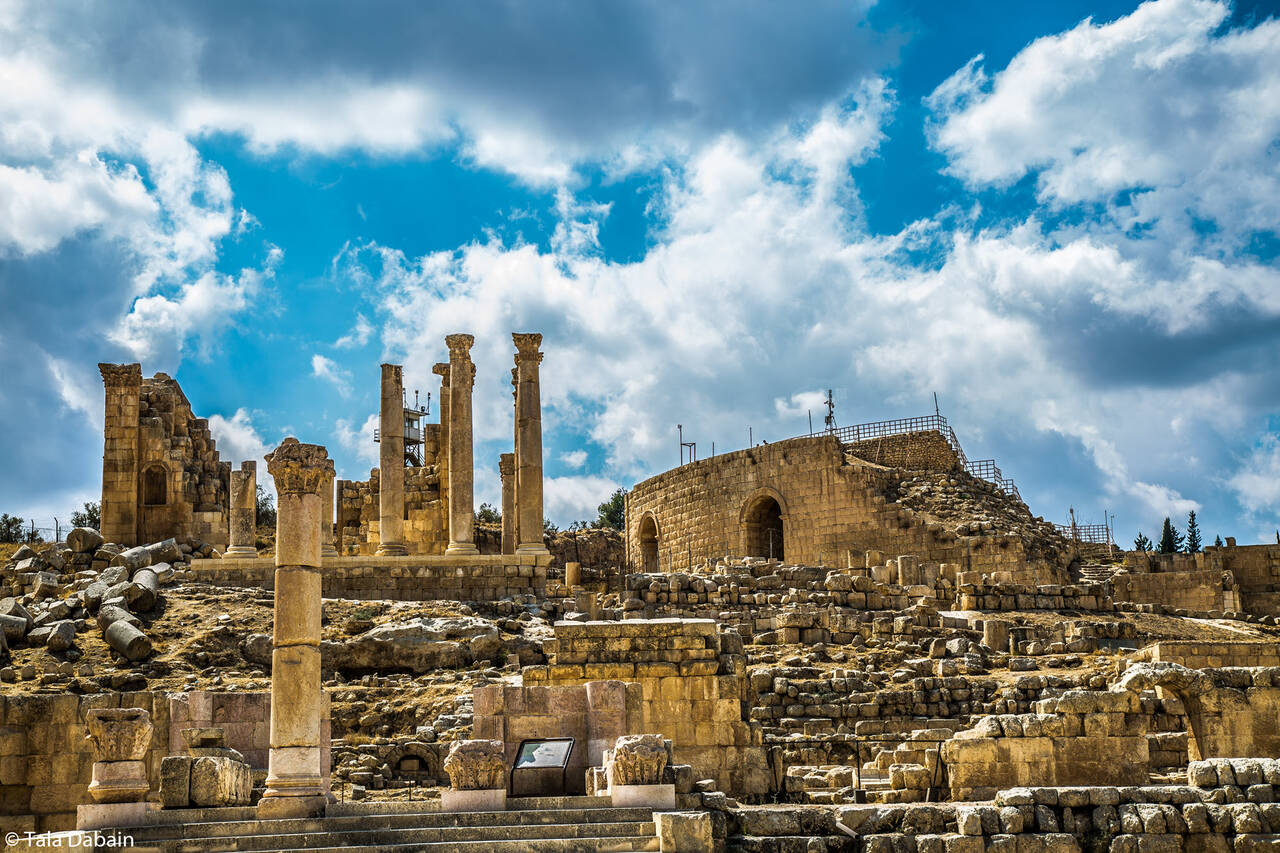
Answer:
(543, 825)
(1096, 573)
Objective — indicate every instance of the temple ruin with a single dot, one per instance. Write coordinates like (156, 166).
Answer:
(857, 640)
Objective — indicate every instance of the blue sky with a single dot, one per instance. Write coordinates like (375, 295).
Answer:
(1062, 218)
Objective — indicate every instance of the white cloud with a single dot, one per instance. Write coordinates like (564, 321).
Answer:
(577, 497)
(358, 336)
(1256, 482)
(358, 440)
(574, 458)
(1162, 103)
(328, 370)
(238, 441)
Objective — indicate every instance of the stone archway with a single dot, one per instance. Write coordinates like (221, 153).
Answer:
(763, 529)
(647, 535)
(418, 761)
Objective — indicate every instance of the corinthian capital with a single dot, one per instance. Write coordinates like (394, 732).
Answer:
(527, 344)
(299, 469)
(119, 375)
(459, 345)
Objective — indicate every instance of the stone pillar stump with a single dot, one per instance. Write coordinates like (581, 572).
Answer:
(243, 529)
(507, 469)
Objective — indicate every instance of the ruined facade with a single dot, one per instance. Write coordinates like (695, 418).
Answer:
(816, 500)
(161, 476)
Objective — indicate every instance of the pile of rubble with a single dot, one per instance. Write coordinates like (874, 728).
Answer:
(969, 506)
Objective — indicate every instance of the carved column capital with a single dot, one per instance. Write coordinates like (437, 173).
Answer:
(507, 464)
(459, 345)
(527, 344)
(120, 375)
(299, 469)
(441, 369)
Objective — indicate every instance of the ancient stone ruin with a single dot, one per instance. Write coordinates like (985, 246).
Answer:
(857, 640)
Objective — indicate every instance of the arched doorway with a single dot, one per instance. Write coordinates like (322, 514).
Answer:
(762, 532)
(648, 536)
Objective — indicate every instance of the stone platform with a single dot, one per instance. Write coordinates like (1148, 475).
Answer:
(473, 577)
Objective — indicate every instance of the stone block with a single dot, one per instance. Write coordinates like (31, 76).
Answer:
(684, 832)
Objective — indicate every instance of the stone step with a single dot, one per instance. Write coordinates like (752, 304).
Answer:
(174, 827)
(591, 836)
(546, 845)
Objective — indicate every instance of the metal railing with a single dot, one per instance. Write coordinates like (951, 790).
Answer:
(1089, 534)
(984, 469)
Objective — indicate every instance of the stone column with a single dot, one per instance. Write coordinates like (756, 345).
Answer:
(462, 374)
(295, 787)
(243, 530)
(441, 369)
(123, 387)
(515, 444)
(529, 448)
(507, 468)
(327, 548)
(391, 464)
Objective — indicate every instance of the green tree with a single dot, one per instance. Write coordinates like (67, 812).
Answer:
(10, 528)
(488, 514)
(265, 509)
(613, 512)
(1142, 543)
(90, 516)
(1193, 533)
(1170, 539)
(1217, 541)
(549, 526)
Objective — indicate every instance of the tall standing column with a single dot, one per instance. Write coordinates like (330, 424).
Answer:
(243, 529)
(515, 445)
(507, 468)
(327, 548)
(391, 464)
(441, 369)
(295, 787)
(529, 446)
(123, 392)
(462, 375)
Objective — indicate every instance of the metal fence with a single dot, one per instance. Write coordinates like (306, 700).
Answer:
(1088, 534)
(984, 469)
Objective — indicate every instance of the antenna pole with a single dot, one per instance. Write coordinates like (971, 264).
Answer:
(936, 411)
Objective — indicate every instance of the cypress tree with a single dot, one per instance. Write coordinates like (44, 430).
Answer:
(1142, 543)
(1170, 539)
(1193, 533)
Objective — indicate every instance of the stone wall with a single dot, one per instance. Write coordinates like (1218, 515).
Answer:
(1256, 569)
(426, 510)
(1202, 654)
(831, 505)
(46, 761)
(924, 451)
(1080, 738)
(594, 714)
(162, 477)
(693, 688)
(422, 578)
(1198, 590)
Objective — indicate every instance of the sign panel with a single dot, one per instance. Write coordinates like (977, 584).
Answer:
(543, 753)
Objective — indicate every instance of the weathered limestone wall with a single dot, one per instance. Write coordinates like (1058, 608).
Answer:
(926, 450)
(1081, 738)
(46, 760)
(161, 474)
(830, 506)
(1201, 654)
(595, 714)
(1191, 590)
(693, 688)
(1256, 569)
(480, 577)
(425, 510)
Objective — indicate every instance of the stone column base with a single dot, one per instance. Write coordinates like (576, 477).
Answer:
(329, 551)
(112, 815)
(532, 548)
(460, 548)
(484, 800)
(287, 808)
(643, 796)
(237, 552)
(389, 549)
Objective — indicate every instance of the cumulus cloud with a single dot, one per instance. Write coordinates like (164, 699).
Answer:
(577, 497)
(1256, 481)
(358, 440)
(574, 458)
(239, 440)
(1163, 119)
